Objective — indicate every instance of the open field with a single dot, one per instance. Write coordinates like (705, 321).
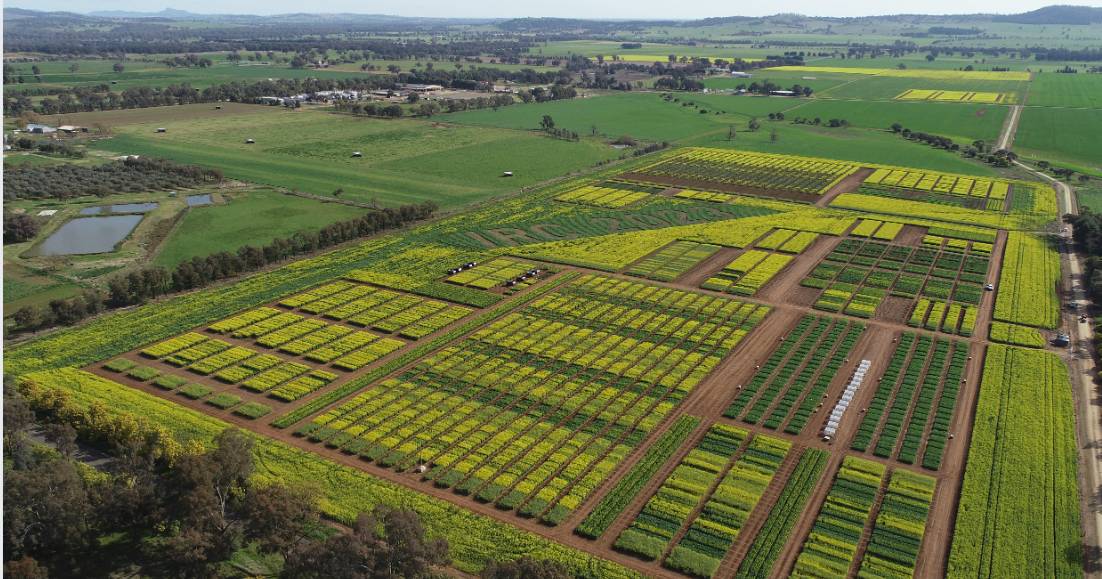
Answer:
(403, 161)
(1069, 135)
(1066, 90)
(936, 74)
(153, 115)
(607, 379)
(252, 218)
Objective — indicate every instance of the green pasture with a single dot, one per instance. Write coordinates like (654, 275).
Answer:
(1056, 134)
(641, 115)
(867, 87)
(963, 122)
(1066, 90)
(251, 218)
(818, 82)
(852, 144)
(403, 161)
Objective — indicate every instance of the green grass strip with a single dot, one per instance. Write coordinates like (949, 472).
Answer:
(422, 350)
(632, 484)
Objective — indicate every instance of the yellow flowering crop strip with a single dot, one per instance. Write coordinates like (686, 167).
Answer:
(932, 74)
(954, 96)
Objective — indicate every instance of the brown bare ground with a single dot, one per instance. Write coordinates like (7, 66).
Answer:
(895, 309)
(911, 235)
(847, 185)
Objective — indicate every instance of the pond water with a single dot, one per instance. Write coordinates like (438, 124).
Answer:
(121, 208)
(85, 235)
(197, 200)
(134, 207)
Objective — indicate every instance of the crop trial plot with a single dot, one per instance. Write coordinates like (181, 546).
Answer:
(951, 96)
(379, 309)
(859, 275)
(610, 194)
(965, 191)
(494, 273)
(910, 412)
(534, 410)
(673, 260)
(804, 178)
(787, 389)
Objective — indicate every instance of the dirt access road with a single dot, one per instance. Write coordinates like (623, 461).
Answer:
(1087, 395)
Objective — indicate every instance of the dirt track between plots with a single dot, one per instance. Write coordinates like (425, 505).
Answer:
(847, 185)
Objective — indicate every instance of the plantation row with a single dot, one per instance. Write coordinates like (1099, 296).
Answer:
(788, 241)
(693, 519)
(668, 263)
(1019, 503)
(317, 341)
(790, 385)
(909, 416)
(493, 273)
(774, 534)
(831, 547)
(754, 170)
(382, 310)
(977, 199)
(1028, 282)
(258, 372)
(536, 409)
(617, 499)
(898, 523)
(956, 96)
(951, 318)
(943, 183)
(857, 276)
(884, 231)
(748, 273)
(603, 196)
(193, 390)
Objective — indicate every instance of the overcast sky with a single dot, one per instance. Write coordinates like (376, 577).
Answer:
(686, 9)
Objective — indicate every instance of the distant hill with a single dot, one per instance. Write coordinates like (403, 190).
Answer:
(1055, 15)
(166, 13)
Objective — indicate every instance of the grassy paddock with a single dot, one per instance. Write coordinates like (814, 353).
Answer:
(403, 161)
(252, 218)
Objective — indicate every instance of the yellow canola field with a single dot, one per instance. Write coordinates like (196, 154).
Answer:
(961, 96)
(912, 72)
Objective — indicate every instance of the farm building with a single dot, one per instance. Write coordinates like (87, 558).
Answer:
(740, 74)
(422, 87)
(72, 129)
(782, 93)
(40, 129)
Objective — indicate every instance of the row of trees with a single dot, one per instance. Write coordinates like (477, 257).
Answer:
(141, 285)
(133, 174)
(173, 510)
(101, 97)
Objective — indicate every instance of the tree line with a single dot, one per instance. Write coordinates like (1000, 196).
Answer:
(168, 509)
(102, 98)
(133, 174)
(141, 285)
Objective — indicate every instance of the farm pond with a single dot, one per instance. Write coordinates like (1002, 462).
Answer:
(199, 200)
(85, 235)
(121, 208)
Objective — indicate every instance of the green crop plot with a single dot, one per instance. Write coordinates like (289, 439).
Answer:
(1061, 134)
(962, 121)
(1066, 90)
